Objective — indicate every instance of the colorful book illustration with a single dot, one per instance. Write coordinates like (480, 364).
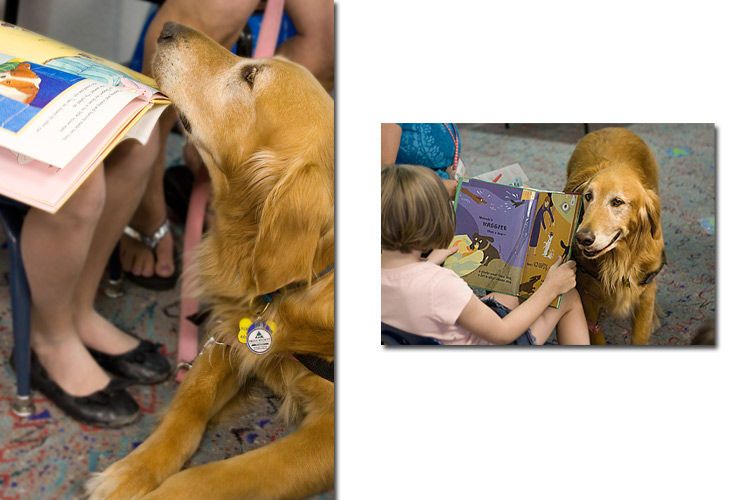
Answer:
(61, 112)
(508, 236)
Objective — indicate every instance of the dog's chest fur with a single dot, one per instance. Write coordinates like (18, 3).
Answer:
(614, 283)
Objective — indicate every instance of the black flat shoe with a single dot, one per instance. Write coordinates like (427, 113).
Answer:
(142, 365)
(112, 407)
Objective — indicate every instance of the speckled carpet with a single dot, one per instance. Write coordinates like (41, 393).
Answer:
(51, 456)
(686, 154)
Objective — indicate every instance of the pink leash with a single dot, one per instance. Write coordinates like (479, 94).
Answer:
(187, 342)
(269, 29)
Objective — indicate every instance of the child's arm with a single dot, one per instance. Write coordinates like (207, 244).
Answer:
(482, 321)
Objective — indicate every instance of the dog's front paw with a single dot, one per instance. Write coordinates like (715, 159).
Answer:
(123, 480)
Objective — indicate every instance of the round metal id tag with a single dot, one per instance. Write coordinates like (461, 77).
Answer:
(256, 336)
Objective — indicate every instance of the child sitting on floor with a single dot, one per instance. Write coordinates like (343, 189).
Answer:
(421, 297)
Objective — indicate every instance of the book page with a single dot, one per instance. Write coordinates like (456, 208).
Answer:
(46, 187)
(492, 231)
(552, 225)
(510, 175)
(50, 115)
(29, 46)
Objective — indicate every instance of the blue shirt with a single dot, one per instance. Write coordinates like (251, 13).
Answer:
(428, 144)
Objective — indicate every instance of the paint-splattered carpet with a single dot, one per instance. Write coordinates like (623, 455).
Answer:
(51, 456)
(686, 154)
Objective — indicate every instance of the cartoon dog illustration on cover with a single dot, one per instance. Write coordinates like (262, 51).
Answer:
(484, 243)
(528, 286)
(19, 82)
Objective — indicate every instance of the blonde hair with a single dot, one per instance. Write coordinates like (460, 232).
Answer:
(416, 213)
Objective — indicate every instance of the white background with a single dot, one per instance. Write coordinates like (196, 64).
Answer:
(608, 423)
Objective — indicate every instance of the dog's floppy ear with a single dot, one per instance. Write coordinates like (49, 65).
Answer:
(295, 214)
(577, 184)
(650, 213)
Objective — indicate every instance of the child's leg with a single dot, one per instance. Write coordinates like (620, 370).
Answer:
(569, 319)
(508, 301)
(136, 257)
(126, 177)
(312, 46)
(572, 328)
(54, 248)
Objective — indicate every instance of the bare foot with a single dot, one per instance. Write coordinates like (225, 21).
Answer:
(138, 259)
(69, 364)
(99, 334)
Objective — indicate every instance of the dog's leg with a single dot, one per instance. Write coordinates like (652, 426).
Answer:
(295, 466)
(643, 317)
(209, 385)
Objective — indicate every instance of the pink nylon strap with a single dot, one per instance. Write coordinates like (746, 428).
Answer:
(594, 327)
(269, 29)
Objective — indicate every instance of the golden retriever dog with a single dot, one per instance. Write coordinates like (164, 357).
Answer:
(619, 244)
(264, 128)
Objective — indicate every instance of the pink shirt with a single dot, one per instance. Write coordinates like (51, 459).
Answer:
(426, 299)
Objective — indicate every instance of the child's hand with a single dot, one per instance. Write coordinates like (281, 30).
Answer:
(438, 256)
(450, 186)
(561, 277)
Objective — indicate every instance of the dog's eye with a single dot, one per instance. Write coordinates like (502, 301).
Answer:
(588, 196)
(616, 202)
(248, 73)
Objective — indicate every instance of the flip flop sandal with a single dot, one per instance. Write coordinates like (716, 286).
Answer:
(154, 282)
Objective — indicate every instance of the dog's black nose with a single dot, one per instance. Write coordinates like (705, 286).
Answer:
(170, 31)
(585, 238)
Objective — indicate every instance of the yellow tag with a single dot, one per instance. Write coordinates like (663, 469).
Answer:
(527, 195)
(242, 333)
(271, 325)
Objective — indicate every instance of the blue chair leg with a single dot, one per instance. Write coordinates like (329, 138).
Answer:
(22, 405)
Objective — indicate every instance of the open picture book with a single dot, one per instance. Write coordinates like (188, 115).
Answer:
(509, 236)
(61, 112)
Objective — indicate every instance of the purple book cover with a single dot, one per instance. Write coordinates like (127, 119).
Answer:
(508, 237)
(492, 232)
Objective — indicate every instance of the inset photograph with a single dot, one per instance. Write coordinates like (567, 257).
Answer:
(544, 234)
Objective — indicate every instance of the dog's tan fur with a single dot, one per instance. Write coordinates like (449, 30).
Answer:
(268, 146)
(607, 164)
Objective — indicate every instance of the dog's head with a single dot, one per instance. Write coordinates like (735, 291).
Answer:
(232, 106)
(616, 207)
(480, 242)
(264, 128)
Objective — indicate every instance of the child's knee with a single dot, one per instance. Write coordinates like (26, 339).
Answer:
(87, 204)
(572, 300)
(134, 160)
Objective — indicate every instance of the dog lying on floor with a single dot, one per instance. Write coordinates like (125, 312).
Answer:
(619, 243)
(264, 128)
